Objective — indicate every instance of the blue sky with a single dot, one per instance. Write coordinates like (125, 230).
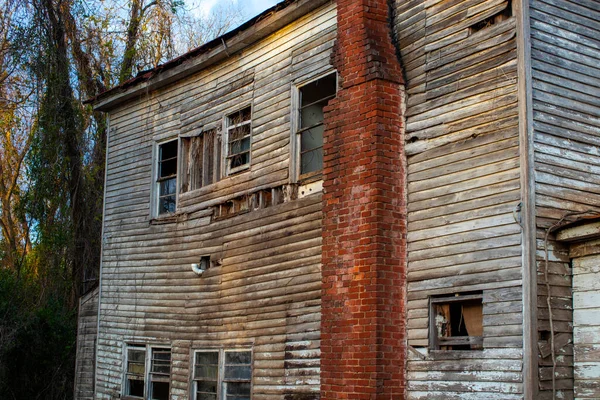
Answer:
(250, 7)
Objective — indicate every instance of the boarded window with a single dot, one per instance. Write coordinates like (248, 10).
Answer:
(201, 158)
(239, 135)
(456, 322)
(222, 375)
(314, 97)
(167, 177)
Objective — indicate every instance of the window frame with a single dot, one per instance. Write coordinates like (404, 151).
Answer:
(221, 382)
(435, 342)
(148, 359)
(156, 180)
(227, 126)
(295, 140)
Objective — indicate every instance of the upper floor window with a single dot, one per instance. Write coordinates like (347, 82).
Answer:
(166, 179)
(201, 160)
(312, 98)
(238, 135)
(222, 375)
(147, 378)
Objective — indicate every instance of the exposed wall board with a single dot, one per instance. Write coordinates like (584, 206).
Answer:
(566, 111)
(463, 188)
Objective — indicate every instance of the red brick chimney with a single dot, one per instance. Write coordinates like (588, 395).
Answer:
(363, 339)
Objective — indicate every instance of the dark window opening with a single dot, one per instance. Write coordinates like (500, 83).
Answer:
(160, 374)
(167, 177)
(313, 98)
(456, 322)
(494, 19)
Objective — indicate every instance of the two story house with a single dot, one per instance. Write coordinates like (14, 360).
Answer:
(355, 199)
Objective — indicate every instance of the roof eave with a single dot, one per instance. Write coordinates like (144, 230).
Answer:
(265, 24)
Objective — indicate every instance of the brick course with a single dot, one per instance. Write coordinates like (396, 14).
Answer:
(363, 343)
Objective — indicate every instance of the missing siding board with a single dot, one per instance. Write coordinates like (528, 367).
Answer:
(493, 20)
(456, 322)
(250, 202)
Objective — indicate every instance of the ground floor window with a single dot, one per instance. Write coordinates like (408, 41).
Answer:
(222, 375)
(147, 372)
(456, 322)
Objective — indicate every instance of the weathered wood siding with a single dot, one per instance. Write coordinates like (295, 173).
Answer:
(86, 345)
(266, 292)
(462, 150)
(565, 40)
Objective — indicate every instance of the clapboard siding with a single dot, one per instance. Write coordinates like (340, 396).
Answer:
(264, 291)
(566, 109)
(586, 325)
(87, 328)
(462, 151)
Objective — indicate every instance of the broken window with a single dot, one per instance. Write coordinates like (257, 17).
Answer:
(313, 97)
(239, 132)
(456, 322)
(136, 372)
(201, 159)
(166, 180)
(222, 375)
(160, 374)
(147, 377)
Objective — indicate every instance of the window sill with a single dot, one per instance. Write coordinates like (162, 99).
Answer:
(310, 177)
(169, 219)
(237, 170)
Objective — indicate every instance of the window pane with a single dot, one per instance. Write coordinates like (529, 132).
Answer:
(239, 160)
(239, 146)
(238, 372)
(136, 355)
(207, 358)
(136, 387)
(168, 168)
(238, 357)
(164, 355)
(311, 161)
(160, 391)
(168, 187)
(136, 368)
(168, 150)
(166, 205)
(207, 372)
(239, 132)
(311, 115)
(312, 138)
(206, 386)
(318, 89)
(240, 116)
(237, 389)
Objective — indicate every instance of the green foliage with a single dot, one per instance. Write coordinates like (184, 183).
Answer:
(37, 340)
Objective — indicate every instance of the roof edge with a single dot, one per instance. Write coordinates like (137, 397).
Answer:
(208, 54)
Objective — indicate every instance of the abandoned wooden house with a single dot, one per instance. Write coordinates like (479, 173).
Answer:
(356, 199)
